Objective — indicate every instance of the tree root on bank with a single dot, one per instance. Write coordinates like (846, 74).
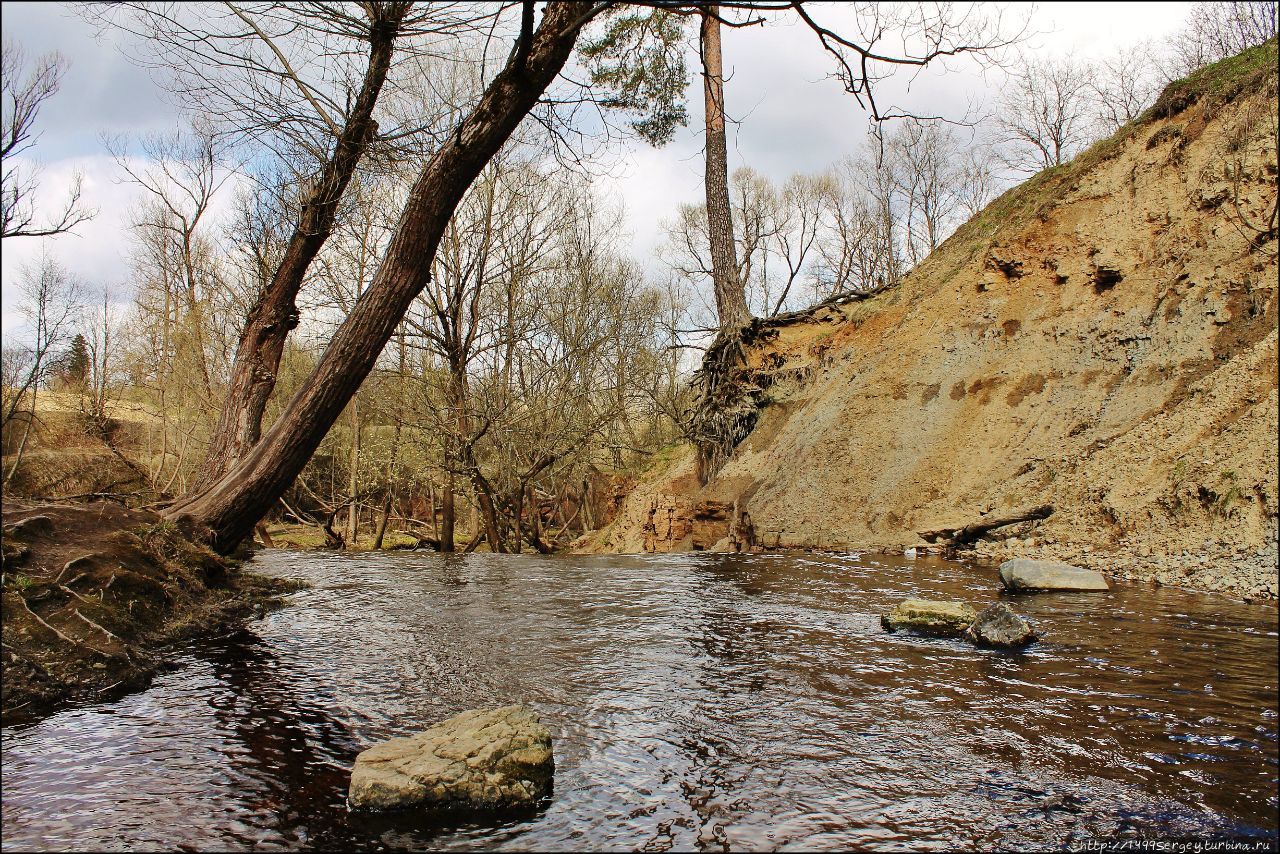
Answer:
(729, 395)
(23, 600)
(727, 403)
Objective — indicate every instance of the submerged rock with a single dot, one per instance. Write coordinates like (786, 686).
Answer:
(922, 616)
(1024, 575)
(998, 626)
(487, 758)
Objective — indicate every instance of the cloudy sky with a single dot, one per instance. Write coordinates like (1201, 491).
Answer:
(791, 118)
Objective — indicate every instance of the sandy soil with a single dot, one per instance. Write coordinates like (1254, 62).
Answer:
(1102, 339)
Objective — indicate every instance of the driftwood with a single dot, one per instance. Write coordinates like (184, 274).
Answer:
(966, 534)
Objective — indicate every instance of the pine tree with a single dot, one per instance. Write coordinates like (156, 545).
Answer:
(73, 365)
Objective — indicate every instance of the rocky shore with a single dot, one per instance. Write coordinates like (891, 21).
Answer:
(1217, 567)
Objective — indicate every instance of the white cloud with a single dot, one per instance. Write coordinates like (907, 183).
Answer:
(95, 253)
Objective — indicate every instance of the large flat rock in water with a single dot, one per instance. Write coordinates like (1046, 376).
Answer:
(927, 617)
(494, 758)
(1027, 576)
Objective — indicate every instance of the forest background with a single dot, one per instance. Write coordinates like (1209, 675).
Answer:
(549, 360)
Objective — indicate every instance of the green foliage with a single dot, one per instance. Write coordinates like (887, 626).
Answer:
(72, 367)
(638, 62)
(1221, 80)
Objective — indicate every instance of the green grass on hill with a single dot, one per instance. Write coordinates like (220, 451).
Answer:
(1220, 82)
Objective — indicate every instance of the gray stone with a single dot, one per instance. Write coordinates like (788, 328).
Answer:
(998, 626)
(485, 758)
(1022, 575)
(926, 617)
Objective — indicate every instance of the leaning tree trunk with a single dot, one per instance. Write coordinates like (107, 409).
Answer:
(230, 506)
(731, 303)
(257, 361)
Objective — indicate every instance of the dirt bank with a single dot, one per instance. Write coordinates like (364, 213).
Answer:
(1102, 338)
(93, 594)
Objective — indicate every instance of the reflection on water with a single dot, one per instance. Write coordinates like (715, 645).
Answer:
(697, 702)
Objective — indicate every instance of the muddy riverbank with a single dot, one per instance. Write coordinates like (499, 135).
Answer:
(94, 597)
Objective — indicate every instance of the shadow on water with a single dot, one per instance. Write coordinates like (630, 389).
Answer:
(698, 702)
(297, 750)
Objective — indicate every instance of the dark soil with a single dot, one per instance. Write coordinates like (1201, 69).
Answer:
(95, 594)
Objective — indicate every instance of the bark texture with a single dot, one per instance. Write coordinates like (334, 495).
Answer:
(253, 374)
(230, 506)
(731, 303)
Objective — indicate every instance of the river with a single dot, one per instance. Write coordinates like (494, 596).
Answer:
(706, 702)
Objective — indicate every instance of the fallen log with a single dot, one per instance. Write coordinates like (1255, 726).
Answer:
(965, 534)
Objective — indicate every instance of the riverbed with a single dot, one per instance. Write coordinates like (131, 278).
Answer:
(707, 702)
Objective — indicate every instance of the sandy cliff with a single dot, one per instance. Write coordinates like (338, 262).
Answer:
(1102, 338)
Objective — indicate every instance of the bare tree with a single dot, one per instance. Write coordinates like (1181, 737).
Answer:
(1123, 85)
(101, 326)
(925, 159)
(23, 92)
(186, 307)
(181, 178)
(976, 179)
(1217, 30)
(862, 249)
(1044, 112)
(50, 302)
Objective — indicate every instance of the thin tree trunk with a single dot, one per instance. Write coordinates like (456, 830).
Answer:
(484, 498)
(588, 518)
(537, 517)
(382, 521)
(353, 481)
(230, 507)
(22, 446)
(731, 302)
(431, 498)
(448, 514)
(391, 469)
(519, 519)
(257, 361)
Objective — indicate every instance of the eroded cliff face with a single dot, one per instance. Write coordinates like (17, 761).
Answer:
(1102, 338)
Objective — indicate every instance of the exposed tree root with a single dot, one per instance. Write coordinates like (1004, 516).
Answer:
(729, 395)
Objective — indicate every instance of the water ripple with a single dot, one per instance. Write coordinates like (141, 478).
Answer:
(699, 702)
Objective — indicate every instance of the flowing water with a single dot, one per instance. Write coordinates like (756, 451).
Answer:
(696, 702)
